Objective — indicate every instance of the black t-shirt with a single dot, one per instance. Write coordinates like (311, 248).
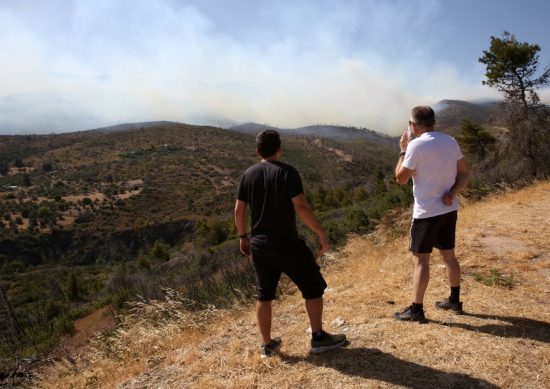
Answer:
(269, 188)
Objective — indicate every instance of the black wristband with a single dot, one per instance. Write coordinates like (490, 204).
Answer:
(245, 235)
(402, 154)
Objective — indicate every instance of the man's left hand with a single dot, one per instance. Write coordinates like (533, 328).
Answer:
(244, 245)
(448, 198)
(323, 245)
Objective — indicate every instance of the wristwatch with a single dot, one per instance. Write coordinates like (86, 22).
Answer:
(402, 154)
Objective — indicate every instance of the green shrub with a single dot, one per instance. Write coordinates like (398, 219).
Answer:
(160, 251)
(43, 212)
(335, 232)
(72, 288)
(26, 181)
(495, 278)
(120, 298)
(83, 217)
(143, 263)
(63, 326)
(15, 266)
(53, 309)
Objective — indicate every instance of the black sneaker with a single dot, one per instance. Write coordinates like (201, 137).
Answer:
(327, 342)
(448, 305)
(271, 349)
(409, 315)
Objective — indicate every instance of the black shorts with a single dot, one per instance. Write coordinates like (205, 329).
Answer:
(273, 256)
(438, 231)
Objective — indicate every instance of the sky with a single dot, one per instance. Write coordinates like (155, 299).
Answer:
(69, 65)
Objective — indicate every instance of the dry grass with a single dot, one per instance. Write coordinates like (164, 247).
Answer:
(502, 341)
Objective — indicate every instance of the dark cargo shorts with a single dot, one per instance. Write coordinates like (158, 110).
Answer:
(438, 231)
(273, 256)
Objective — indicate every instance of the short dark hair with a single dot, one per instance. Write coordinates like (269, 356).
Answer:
(268, 143)
(423, 116)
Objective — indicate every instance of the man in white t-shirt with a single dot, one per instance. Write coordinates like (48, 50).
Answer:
(439, 172)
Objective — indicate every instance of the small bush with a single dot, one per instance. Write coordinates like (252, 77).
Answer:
(495, 278)
(120, 298)
(160, 251)
(143, 263)
(83, 217)
(43, 212)
(15, 266)
(64, 326)
(53, 309)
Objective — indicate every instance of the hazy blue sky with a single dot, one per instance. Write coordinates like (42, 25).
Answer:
(71, 65)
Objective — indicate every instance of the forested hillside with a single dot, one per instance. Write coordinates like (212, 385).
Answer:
(98, 217)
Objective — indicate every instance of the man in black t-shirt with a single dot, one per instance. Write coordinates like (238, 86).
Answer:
(274, 192)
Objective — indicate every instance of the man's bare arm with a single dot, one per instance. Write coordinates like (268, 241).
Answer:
(240, 223)
(402, 174)
(302, 208)
(462, 178)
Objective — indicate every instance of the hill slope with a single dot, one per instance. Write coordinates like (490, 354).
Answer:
(90, 218)
(451, 113)
(502, 340)
(337, 133)
(134, 186)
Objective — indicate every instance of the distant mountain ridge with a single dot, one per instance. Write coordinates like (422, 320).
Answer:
(450, 114)
(134, 126)
(333, 132)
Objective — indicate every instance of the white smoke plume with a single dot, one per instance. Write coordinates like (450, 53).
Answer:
(72, 65)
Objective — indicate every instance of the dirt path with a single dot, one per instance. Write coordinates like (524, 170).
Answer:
(86, 327)
(503, 340)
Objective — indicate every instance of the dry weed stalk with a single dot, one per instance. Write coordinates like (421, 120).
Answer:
(150, 325)
(394, 224)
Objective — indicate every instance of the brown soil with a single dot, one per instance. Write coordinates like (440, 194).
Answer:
(87, 327)
(341, 153)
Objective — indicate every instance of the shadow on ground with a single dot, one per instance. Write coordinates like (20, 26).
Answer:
(378, 365)
(512, 327)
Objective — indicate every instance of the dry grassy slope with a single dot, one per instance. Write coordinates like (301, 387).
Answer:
(502, 341)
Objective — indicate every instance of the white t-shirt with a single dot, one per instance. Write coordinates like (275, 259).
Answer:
(433, 158)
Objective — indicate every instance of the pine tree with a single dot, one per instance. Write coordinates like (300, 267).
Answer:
(27, 180)
(474, 139)
(511, 68)
(73, 289)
